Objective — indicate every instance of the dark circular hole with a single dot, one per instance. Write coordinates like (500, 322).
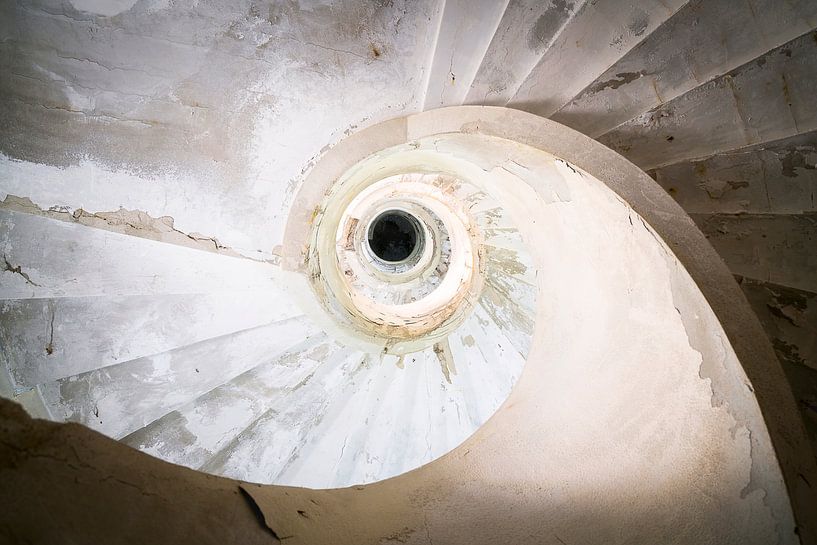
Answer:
(393, 236)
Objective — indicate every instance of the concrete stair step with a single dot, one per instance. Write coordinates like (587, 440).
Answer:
(49, 258)
(593, 41)
(702, 41)
(119, 399)
(192, 434)
(766, 99)
(47, 339)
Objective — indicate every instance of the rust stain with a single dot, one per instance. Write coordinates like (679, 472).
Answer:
(315, 213)
(739, 108)
(443, 352)
(655, 90)
(349, 232)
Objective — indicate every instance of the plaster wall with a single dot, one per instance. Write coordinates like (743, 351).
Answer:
(656, 439)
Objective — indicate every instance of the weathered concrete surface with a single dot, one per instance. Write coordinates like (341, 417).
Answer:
(210, 127)
(191, 435)
(667, 424)
(768, 99)
(45, 257)
(669, 222)
(412, 414)
(727, 388)
(702, 41)
(66, 483)
(757, 206)
(119, 326)
(197, 113)
(419, 388)
(129, 222)
(770, 247)
(527, 29)
(48, 339)
(598, 36)
(789, 317)
(122, 398)
(465, 33)
(778, 177)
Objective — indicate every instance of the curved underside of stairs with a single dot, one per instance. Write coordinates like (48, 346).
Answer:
(193, 200)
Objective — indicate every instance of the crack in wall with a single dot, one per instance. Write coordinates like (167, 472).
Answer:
(18, 270)
(49, 347)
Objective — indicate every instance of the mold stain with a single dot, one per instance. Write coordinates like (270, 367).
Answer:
(639, 25)
(621, 78)
(548, 25)
(794, 159)
(504, 261)
(788, 353)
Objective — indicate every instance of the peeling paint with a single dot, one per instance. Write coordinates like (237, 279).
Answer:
(798, 158)
(443, 352)
(622, 78)
(128, 222)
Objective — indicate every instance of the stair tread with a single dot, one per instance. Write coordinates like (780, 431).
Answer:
(465, 32)
(119, 399)
(525, 32)
(191, 435)
(774, 248)
(722, 34)
(59, 259)
(265, 448)
(767, 99)
(50, 339)
(778, 177)
(596, 38)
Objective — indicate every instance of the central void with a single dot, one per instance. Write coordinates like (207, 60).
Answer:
(394, 236)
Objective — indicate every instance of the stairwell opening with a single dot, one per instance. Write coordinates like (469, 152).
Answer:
(395, 236)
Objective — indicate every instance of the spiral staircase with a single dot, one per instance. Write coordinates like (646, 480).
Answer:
(422, 272)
